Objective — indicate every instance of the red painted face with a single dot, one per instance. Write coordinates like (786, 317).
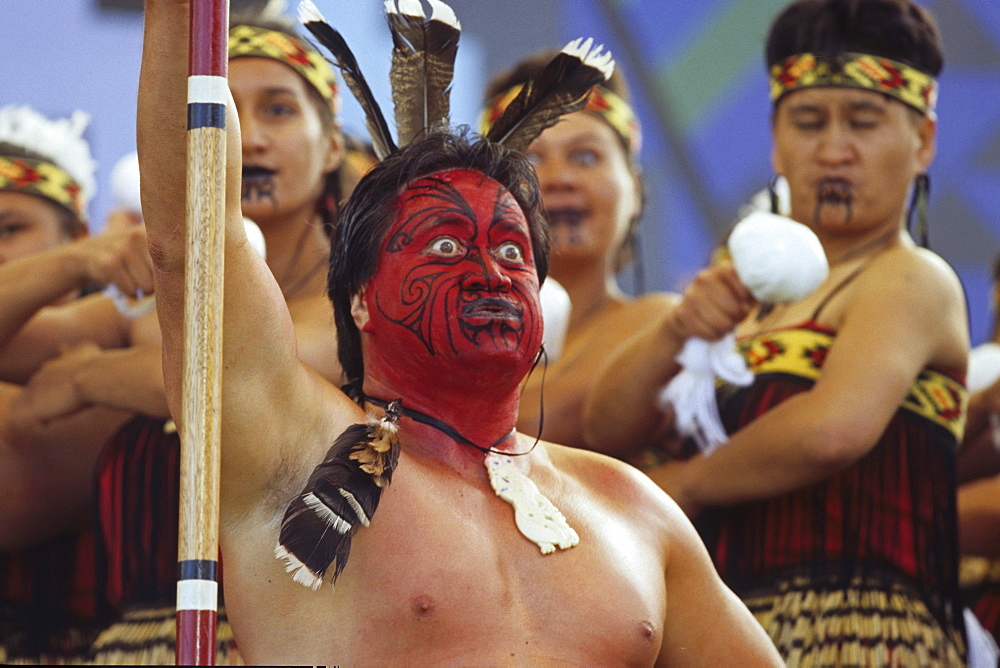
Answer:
(455, 281)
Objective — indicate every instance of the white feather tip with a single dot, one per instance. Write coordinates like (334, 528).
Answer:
(301, 574)
(594, 56)
(411, 8)
(309, 12)
(442, 12)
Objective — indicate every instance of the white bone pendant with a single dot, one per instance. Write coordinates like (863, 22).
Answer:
(537, 519)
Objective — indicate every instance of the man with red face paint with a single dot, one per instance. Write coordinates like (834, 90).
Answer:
(435, 269)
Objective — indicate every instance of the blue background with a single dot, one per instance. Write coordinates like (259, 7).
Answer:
(697, 74)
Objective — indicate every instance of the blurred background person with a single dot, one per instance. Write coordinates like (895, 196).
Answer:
(831, 510)
(589, 174)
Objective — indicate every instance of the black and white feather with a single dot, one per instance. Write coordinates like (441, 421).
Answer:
(423, 65)
(559, 89)
(341, 496)
(333, 41)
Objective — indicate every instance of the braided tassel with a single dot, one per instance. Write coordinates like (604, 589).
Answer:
(341, 495)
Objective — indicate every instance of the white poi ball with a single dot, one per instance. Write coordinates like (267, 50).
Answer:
(984, 366)
(779, 260)
(125, 183)
(556, 308)
(255, 237)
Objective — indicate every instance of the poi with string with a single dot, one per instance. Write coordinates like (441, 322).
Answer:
(780, 261)
(343, 492)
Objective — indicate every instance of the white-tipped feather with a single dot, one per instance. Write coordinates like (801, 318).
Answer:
(595, 56)
(560, 88)
(336, 522)
(411, 8)
(308, 11)
(355, 506)
(442, 12)
(301, 574)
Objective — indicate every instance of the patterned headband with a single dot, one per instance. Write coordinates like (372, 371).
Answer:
(856, 70)
(601, 101)
(44, 179)
(254, 41)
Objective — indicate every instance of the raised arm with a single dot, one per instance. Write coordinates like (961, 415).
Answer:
(272, 405)
(906, 312)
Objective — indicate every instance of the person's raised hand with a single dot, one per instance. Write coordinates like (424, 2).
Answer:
(713, 304)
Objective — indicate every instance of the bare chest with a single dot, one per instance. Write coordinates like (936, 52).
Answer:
(452, 581)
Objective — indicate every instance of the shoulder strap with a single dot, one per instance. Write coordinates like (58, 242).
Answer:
(840, 286)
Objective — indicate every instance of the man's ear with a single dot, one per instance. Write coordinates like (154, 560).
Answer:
(359, 310)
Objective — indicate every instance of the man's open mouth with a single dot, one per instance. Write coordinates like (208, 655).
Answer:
(491, 307)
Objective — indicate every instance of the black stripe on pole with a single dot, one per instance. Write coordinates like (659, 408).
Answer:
(206, 115)
(197, 569)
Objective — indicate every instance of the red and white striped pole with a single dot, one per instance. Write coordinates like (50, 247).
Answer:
(198, 548)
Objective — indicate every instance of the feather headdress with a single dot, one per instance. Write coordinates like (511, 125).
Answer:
(559, 89)
(340, 497)
(423, 60)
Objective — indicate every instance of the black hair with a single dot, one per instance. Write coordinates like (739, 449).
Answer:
(69, 222)
(370, 211)
(898, 29)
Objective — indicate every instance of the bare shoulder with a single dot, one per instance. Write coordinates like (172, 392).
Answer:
(617, 485)
(621, 319)
(907, 290)
(912, 270)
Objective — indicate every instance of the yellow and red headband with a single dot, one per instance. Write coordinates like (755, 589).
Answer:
(856, 70)
(615, 111)
(44, 179)
(257, 42)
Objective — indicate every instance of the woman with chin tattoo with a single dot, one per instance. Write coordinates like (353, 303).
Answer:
(295, 173)
(831, 508)
(588, 170)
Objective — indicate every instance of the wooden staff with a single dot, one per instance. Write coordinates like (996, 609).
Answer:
(198, 548)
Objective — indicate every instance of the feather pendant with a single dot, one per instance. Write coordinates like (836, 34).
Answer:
(559, 89)
(341, 496)
(423, 65)
(344, 59)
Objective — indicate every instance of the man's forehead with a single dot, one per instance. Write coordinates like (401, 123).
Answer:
(466, 189)
(460, 179)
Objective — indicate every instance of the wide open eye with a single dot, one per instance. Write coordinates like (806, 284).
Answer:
(445, 247)
(511, 252)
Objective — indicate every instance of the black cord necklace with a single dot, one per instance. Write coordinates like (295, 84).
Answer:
(456, 435)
